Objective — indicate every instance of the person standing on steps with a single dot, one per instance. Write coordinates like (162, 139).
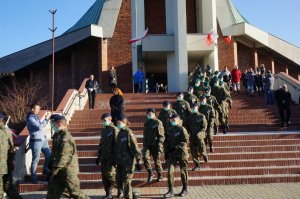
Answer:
(190, 97)
(116, 103)
(38, 141)
(128, 157)
(7, 154)
(250, 77)
(236, 79)
(209, 114)
(154, 136)
(165, 114)
(138, 79)
(269, 84)
(182, 108)
(176, 151)
(197, 130)
(65, 167)
(92, 86)
(113, 81)
(283, 98)
(106, 154)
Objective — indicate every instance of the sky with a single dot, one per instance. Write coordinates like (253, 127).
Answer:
(26, 23)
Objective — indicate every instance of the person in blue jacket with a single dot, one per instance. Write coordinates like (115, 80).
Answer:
(138, 79)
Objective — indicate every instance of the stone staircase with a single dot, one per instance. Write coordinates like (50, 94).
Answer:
(257, 150)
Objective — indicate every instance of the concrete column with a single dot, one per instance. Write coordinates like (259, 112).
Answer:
(207, 21)
(177, 61)
(273, 66)
(138, 27)
(235, 53)
(255, 58)
(287, 70)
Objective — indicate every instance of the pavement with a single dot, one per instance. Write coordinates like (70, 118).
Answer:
(249, 191)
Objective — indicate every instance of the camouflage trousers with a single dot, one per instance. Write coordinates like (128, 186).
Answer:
(124, 178)
(7, 186)
(223, 116)
(108, 175)
(153, 151)
(198, 148)
(209, 134)
(65, 179)
(183, 164)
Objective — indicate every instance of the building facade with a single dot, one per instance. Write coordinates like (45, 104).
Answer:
(175, 44)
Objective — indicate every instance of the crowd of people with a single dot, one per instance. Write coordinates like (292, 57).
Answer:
(190, 122)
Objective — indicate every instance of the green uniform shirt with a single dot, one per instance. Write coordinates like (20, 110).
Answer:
(6, 149)
(197, 126)
(108, 142)
(164, 117)
(176, 141)
(154, 133)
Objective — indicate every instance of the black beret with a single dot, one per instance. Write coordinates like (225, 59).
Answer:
(53, 116)
(207, 90)
(190, 88)
(202, 97)
(122, 117)
(59, 118)
(194, 105)
(152, 110)
(166, 103)
(105, 115)
(179, 93)
(174, 116)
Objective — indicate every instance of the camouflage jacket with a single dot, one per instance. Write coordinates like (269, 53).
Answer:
(164, 117)
(154, 133)
(183, 109)
(64, 155)
(127, 150)
(197, 126)
(212, 101)
(191, 98)
(177, 142)
(209, 114)
(6, 150)
(221, 94)
(108, 142)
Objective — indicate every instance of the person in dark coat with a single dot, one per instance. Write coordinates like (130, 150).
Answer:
(283, 98)
(116, 103)
(152, 84)
(113, 82)
(92, 86)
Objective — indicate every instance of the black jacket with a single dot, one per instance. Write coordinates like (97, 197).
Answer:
(283, 98)
(92, 84)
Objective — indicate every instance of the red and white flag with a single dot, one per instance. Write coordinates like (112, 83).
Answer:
(139, 37)
(212, 38)
(227, 40)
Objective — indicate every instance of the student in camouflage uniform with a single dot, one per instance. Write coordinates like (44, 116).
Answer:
(197, 126)
(106, 154)
(223, 99)
(165, 114)
(177, 152)
(128, 157)
(212, 101)
(182, 108)
(209, 114)
(6, 162)
(198, 88)
(190, 97)
(154, 136)
(65, 167)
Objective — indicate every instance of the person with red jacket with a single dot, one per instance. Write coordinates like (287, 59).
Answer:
(236, 79)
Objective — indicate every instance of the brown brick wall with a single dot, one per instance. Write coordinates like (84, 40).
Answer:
(245, 56)
(155, 16)
(119, 51)
(265, 59)
(225, 52)
(191, 16)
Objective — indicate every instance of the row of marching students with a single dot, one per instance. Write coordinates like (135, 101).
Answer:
(191, 120)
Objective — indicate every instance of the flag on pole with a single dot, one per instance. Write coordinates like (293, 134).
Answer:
(139, 37)
(227, 40)
(212, 38)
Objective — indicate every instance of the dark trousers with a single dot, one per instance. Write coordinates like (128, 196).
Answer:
(136, 88)
(285, 113)
(92, 96)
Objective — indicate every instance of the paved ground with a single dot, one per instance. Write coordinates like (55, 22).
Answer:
(260, 191)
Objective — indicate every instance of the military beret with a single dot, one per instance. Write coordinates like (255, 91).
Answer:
(222, 82)
(152, 110)
(207, 90)
(216, 73)
(194, 105)
(53, 116)
(202, 97)
(59, 118)
(190, 88)
(122, 117)
(179, 93)
(174, 116)
(197, 80)
(105, 115)
(166, 103)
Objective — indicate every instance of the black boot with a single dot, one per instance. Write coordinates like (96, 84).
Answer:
(120, 194)
(159, 177)
(216, 130)
(136, 195)
(184, 191)
(170, 193)
(205, 157)
(196, 168)
(150, 176)
(211, 148)
(108, 195)
(224, 129)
